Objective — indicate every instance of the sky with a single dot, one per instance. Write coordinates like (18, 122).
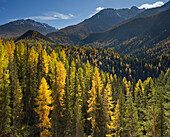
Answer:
(62, 13)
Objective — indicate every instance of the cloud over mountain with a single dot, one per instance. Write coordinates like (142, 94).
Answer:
(97, 10)
(52, 15)
(149, 6)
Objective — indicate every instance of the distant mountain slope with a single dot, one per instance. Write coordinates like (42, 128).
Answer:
(31, 34)
(19, 27)
(32, 37)
(101, 21)
(144, 32)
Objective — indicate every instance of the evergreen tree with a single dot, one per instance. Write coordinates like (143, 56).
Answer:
(16, 101)
(152, 115)
(58, 94)
(78, 120)
(131, 118)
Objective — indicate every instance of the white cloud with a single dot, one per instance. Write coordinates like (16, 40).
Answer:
(41, 18)
(49, 16)
(58, 15)
(96, 11)
(149, 6)
(99, 9)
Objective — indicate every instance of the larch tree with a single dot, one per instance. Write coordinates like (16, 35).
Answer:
(5, 110)
(43, 102)
(126, 86)
(122, 112)
(95, 106)
(116, 120)
(45, 62)
(88, 82)
(108, 109)
(139, 101)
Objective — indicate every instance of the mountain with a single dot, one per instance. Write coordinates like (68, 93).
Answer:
(32, 36)
(101, 21)
(19, 27)
(143, 32)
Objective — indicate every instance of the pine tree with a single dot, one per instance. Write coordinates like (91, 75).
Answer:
(163, 88)
(80, 96)
(152, 115)
(43, 102)
(17, 110)
(72, 83)
(58, 93)
(166, 105)
(148, 86)
(16, 101)
(131, 118)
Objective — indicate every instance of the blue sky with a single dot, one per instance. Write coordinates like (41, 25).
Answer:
(61, 13)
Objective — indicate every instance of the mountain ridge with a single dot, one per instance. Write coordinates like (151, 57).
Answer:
(101, 21)
(19, 27)
(132, 35)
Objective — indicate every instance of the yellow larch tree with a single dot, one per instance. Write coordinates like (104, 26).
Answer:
(116, 120)
(61, 76)
(92, 105)
(43, 102)
(126, 86)
(108, 106)
(95, 105)
(45, 61)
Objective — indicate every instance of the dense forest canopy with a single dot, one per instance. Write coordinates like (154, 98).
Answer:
(77, 92)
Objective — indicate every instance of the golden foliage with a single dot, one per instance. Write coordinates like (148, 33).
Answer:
(43, 101)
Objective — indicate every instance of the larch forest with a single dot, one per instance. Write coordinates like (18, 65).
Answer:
(46, 92)
(107, 76)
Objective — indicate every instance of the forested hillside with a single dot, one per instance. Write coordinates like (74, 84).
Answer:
(113, 62)
(76, 92)
(144, 37)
